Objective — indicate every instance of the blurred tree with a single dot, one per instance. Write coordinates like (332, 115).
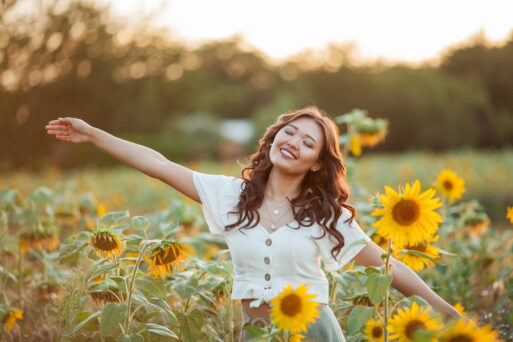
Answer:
(73, 58)
(493, 67)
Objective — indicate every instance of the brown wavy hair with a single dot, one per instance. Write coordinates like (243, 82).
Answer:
(323, 193)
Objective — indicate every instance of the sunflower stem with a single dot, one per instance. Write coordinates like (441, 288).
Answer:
(387, 265)
(131, 288)
(20, 275)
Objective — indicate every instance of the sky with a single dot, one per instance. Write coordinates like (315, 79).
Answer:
(410, 31)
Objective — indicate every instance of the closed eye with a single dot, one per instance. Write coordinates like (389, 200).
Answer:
(307, 145)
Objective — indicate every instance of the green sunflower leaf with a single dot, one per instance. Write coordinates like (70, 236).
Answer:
(153, 287)
(130, 338)
(84, 322)
(160, 330)
(102, 269)
(140, 222)
(111, 316)
(358, 317)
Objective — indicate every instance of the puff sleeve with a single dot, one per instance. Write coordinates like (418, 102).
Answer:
(355, 240)
(219, 194)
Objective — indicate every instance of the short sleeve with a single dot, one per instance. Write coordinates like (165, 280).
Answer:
(355, 240)
(219, 194)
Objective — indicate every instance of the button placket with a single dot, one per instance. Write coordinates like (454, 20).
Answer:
(267, 260)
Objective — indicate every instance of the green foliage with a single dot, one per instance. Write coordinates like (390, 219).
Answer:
(377, 285)
(112, 315)
(152, 287)
(358, 317)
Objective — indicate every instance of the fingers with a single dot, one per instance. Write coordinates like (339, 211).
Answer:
(60, 121)
(56, 126)
(62, 137)
(57, 129)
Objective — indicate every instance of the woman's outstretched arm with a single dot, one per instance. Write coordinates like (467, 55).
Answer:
(405, 280)
(137, 156)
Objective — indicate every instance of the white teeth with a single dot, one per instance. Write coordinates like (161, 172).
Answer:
(288, 153)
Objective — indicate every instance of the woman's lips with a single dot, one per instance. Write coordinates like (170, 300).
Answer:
(285, 155)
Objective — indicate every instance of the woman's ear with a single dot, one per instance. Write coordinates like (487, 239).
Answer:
(316, 167)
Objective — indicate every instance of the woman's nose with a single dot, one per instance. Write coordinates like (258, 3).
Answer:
(293, 144)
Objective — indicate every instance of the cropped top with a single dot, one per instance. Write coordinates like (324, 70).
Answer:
(263, 262)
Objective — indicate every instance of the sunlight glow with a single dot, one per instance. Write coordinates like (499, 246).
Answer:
(399, 30)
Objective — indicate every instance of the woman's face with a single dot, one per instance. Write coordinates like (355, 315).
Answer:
(304, 139)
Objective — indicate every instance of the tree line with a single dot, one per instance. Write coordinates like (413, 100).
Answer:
(139, 84)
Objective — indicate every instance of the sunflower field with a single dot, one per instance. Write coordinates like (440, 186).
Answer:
(111, 255)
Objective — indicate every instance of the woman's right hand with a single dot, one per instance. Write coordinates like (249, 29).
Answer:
(70, 129)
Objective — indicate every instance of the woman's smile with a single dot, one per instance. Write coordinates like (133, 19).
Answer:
(287, 154)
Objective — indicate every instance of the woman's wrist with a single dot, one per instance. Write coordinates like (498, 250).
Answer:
(94, 134)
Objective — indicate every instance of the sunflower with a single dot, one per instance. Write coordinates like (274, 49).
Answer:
(11, 317)
(450, 184)
(106, 243)
(168, 255)
(408, 217)
(293, 310)
(374, 331)
(296, 337)
(380, 241)
(509, 214)
(103, 295)
(371, 131)
(477, 224)
(465, 331)
(371, 139)
(362, 299)
(355, 145)
(415, 262)
(403, 325)
(39, 240)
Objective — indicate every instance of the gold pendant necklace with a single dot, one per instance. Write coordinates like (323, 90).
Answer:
(276, 212)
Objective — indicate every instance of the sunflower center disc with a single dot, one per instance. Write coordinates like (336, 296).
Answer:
(406, 212)
(461, 338)
(105, 242)
(448, 185)
(172, 254)
(420, 247)
(412, 326)
(377, 332)
(291, 305)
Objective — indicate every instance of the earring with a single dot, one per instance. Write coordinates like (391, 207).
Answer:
(314, 169)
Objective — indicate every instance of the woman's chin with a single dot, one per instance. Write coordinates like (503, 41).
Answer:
(288, 169)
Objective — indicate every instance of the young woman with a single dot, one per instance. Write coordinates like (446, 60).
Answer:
(285, 214)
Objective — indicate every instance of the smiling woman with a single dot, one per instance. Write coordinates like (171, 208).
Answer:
(286, 213)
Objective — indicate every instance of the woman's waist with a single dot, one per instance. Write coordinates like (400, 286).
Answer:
(262, 311)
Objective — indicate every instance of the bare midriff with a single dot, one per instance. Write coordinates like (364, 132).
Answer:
(264, 310)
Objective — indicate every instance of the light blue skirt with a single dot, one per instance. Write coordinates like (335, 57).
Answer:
(324, 329)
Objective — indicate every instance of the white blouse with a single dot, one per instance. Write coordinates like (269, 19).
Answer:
(263, 262)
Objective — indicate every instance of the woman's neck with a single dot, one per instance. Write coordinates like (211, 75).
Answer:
(281, 185)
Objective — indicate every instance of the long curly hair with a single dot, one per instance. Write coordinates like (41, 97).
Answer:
(323, 193)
